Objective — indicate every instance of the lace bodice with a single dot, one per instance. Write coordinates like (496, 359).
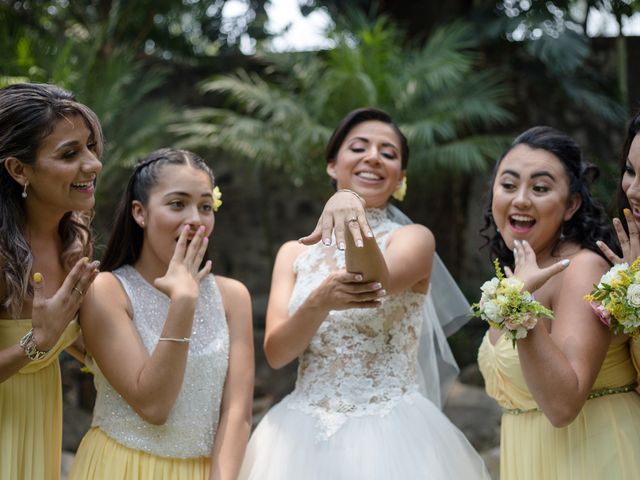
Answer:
(360, 361)
(191, 426)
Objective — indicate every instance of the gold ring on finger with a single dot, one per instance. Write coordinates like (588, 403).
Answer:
(78, 290)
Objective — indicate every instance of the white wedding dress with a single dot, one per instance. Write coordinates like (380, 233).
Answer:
(356, 411)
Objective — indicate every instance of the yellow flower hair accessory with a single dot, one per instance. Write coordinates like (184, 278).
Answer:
(217, 198)
(400, 192)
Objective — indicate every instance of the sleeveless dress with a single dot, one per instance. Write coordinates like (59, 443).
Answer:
(635, 356)
(602, 442)
(356, 411)
(121, 445)
(31, 410)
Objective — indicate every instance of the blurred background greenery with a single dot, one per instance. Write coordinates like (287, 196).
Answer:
(461, 77)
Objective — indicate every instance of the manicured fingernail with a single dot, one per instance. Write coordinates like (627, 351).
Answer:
(382, 292)
(37, 277)
(515, 244)
(358, 278)
(187, 228)
(205, 240)
(85, 260)
(369, 233)
(201, 228)
(359, 243)
(327, 241)
(627, 211)
(376, 286)
(599, 243)
(524, 242)
(565, 263)
(341, 246)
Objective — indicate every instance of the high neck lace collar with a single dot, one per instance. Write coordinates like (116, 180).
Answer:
(375, 216)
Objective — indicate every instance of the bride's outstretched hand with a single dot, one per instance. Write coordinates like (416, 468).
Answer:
(343, 210)
(527, 269)
(630, 243)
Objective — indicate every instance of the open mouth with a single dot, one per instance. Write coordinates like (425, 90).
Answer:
(89, 186)
(521, 223)
(369, 175)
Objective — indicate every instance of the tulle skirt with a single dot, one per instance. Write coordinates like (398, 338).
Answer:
(414, 440)
(100, 457)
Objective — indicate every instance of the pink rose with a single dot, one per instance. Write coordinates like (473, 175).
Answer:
(601, 313)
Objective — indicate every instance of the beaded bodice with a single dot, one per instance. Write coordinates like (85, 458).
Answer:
(191, 426)
(360, 361)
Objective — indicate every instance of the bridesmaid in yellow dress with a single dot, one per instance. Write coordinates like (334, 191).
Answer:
(568, 388)
(50, 148)
(172, 343)
(628, 200)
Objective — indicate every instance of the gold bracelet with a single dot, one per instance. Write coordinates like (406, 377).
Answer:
(173, 339)
(353, 193)
(29, 347)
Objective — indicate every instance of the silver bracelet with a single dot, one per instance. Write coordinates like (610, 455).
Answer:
(353, 193)
(173, 339)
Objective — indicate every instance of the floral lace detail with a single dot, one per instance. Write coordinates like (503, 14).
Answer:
(360, 361)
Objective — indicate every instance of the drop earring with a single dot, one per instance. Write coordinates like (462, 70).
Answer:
(24, 191)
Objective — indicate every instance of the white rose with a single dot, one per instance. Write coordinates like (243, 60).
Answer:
(491, 311)
(633, 294)
(490, 287)
(612, 273)
(514, 282)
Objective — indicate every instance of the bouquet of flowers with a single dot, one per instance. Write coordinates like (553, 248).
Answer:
(616, 299)
(505, 306)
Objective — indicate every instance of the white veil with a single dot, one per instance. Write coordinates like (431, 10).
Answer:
(445, 310)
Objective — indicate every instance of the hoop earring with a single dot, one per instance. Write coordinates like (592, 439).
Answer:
(24, 191)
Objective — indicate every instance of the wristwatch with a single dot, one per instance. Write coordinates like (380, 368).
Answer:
(28, 345)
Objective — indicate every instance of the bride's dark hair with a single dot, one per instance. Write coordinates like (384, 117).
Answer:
(356, 117)
(587, 225)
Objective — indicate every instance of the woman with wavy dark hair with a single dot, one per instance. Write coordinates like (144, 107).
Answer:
(567, 386)
(50, 148)
(628, 207)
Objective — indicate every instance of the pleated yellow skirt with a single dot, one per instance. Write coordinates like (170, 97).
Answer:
(31, 410)
(100, 457)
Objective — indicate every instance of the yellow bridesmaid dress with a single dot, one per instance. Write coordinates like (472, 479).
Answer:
(31, 410)
(635, 356)
(603, 442)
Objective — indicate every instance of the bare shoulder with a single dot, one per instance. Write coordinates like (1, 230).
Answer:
(232, 290)
(237, 304)
(585, 263)
(290, 250)
(106, 288)
(416, 234)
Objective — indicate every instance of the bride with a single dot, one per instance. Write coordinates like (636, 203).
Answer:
(356, 324)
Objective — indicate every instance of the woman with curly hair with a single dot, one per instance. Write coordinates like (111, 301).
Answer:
(567, 387)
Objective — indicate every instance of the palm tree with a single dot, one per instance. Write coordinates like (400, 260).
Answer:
(282, 117)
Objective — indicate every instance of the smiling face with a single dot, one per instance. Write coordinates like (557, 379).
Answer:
(63, 177)
(182, 196)
(631, 177)
(531, 198)
(369, 162)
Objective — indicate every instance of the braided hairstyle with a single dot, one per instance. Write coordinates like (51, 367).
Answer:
(125, 244)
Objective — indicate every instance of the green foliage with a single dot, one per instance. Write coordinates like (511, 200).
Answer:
(443, 99)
